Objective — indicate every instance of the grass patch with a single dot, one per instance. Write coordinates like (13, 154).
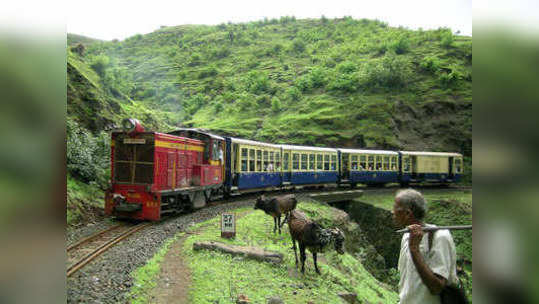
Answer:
(81, 199)
(219, 278)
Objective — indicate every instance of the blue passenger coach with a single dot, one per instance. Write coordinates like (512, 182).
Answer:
(309, 165)
(252, 164)
(369, 166)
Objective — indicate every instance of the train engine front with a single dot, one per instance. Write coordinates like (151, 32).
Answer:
(156, 173)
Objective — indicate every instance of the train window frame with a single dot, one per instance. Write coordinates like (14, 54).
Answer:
(278, 161)
(304, 161)
(252, 166)
(244, 159)
(378, 164)
(319, 162)
(362, 162)
(386, 163)
(406, 160)
(354, 162)
(394, 166)
(295, 162)
(265, 160)
(326, 162)
(371, 162)
(458, 165)
(333, 163)
(312, 159)
(287, 161)
(258, 159)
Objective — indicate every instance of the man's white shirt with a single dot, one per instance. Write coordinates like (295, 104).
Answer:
(441, 259)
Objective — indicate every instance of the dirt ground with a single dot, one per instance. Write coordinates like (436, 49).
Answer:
(174, 280)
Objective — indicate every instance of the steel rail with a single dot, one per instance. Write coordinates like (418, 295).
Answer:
(91, 237)
(104, 247)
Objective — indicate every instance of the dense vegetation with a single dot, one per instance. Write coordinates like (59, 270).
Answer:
(328, 82)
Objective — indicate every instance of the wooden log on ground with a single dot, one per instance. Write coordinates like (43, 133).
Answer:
(246, 251)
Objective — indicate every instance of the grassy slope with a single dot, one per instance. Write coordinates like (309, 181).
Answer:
(173, 64)
(218, 277)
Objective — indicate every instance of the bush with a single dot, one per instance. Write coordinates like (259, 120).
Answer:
(449, 79)
(346, 82)
(87, 156)
(298, 46)
(293, 94)
(446, 39)
(257, 82)
(346, 67)
(400, 45)
(390, 72)
(99, 64)
(275, 104)
(430, 64)
(207, 72)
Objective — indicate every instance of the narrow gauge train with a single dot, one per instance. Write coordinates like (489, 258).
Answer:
(153, 173)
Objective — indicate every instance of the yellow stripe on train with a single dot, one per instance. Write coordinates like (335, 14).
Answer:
(165, 144)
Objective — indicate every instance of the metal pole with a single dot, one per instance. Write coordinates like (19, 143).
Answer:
(460, 227)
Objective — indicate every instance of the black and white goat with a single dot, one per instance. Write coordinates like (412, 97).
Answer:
(276, 207)
(313, 236)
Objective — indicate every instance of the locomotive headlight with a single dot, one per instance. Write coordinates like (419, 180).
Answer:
(129, 124)
(132, 126)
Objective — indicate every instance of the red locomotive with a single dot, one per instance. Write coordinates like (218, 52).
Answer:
(156, 173)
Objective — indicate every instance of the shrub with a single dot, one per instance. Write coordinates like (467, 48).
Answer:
(293, 94)
(430, 64)
(400, 45)
(207, 72)
(298, 46)
(87, 156)
(346, 67)
(257, 82)
(446, 39)
(275, 104)
(450, 79)
(303, 83)
(99, 64)
(346, 82)
(390, 72)
(219, 53)
(195, 59)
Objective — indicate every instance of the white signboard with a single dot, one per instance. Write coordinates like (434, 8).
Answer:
(228, 225)
(134, 141)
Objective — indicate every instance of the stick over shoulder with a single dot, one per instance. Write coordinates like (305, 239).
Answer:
(459, 227)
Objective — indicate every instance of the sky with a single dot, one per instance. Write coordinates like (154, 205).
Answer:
(112, 19)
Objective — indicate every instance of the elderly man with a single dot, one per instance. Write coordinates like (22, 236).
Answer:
(425, 269)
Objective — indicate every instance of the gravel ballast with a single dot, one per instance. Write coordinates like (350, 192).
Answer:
(107, 279)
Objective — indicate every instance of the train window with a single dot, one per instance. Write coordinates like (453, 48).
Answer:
(386, 163)
(258, 160)
(354, 162)
(277, 161)
(394, 163)
(326, 162)
(311, 161)
(295, 161)
(362, 162)
(371, 163)
(244, 159)
(458, 165)
(251, 160)
(334, 162)
(303, 161)
(286, 166)
(406, 165)
(266, 161)
(319, 162)
(378, 162)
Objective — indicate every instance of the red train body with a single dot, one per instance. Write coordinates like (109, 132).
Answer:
(155, 173)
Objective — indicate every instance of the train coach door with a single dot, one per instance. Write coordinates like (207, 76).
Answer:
(287, 175)
(345, 167)
(451, 170)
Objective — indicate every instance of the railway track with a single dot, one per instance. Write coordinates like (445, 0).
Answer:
(87, 249)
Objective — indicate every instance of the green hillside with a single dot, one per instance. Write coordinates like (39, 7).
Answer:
(325, 82)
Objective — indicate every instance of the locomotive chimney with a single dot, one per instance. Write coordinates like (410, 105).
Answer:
(132, 126)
